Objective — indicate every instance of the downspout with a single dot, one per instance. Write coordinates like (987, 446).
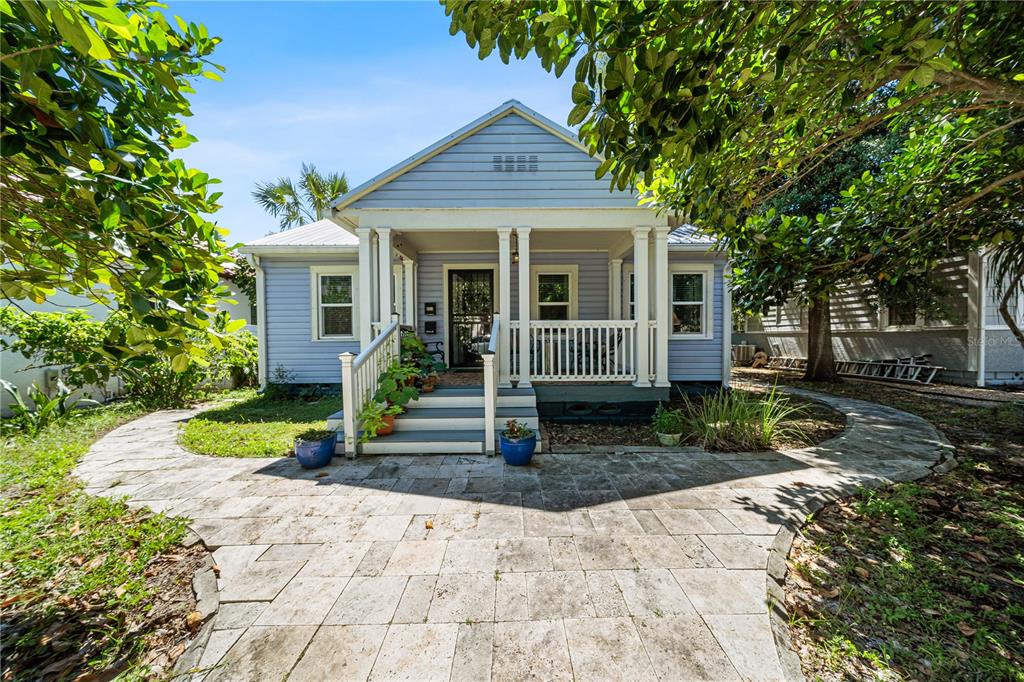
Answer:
(726, 326)
(261, 322)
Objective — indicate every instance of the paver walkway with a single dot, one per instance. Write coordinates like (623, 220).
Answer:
(639, 565)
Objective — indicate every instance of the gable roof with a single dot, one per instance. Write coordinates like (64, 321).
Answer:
(510, 107)
(322, 233)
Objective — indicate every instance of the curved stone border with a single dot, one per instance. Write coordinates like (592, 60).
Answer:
(864, 420)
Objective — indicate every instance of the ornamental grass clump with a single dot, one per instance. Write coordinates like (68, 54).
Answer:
(735, 420)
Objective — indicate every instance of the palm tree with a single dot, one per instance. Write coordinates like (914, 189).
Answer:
(1007, 269)
(296, 206)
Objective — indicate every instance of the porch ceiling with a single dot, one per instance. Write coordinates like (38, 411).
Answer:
(487, 240)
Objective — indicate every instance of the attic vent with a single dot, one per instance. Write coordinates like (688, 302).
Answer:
(514, 163)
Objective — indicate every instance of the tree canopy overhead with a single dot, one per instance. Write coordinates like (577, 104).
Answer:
(93, 96)
(717, 109)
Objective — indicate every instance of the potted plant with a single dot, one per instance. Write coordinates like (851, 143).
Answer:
(377, 419)
(429, 373)
(668, 425)
(518, 442)
(315, 447)
(393, 387)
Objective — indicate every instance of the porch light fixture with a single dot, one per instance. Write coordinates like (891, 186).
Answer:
(515, 247)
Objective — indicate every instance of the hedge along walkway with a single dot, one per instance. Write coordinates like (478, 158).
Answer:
(640, 565)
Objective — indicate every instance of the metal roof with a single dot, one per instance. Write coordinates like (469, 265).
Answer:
(689, 235)
(321, 233)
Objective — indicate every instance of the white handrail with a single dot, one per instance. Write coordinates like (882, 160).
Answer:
(360, 376)
(491, 386)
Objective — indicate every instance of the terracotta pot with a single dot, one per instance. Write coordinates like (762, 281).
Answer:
(389, 421)
(428, 387)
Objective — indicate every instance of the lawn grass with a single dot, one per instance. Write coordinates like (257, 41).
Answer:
(73, 567)
(925, 579)
(247, 424)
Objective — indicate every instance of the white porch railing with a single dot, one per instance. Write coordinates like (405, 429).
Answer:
(360, 375)
(491, 386)
(579, 350)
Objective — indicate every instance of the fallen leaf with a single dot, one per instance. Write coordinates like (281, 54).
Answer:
(831, 593)
(216, 570)
(429, 523)
(862, 572)
(977, 557)
(193, 620)
(965, 629)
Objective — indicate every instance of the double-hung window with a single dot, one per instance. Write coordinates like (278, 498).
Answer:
(554, 292)
(690, 293)
(334, 295)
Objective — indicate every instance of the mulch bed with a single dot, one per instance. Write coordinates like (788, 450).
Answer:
(818, 423)
(79, 628)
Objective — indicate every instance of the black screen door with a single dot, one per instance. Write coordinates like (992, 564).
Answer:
(470, 309)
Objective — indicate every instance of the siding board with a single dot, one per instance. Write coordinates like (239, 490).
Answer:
(463, 176)
(289, 327)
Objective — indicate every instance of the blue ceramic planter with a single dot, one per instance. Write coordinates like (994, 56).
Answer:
(519, 452)
(313, 454)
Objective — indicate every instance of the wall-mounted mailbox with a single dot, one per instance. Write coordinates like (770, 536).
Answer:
(430, 309)
(430, 327)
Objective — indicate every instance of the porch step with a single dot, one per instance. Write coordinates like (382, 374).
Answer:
(420, 442)
(473, 396)
(460, 418)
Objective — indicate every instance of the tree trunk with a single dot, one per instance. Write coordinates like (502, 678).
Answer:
(820, 363)
(1004, 312)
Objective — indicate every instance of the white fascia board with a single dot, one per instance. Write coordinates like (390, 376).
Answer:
(298, 249)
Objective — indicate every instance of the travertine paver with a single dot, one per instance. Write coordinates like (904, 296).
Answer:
(637, 565)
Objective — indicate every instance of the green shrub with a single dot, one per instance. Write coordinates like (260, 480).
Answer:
(734, 420)
(92, 351)
(45, 410)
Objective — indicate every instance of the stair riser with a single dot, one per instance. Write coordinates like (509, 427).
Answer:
(455, 423)
(471, 401)
(381, 446)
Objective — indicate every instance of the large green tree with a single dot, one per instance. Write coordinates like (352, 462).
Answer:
(92, 102)
(295, 204)
(717, 109)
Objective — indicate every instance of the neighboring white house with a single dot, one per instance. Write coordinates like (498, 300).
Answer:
(970, 340)
(498, 241)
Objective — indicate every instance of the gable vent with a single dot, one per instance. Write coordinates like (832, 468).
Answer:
(514, 163)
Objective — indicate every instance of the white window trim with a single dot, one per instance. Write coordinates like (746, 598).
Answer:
(627, 296)
(315, 272)
(708, 271)
(572, 270)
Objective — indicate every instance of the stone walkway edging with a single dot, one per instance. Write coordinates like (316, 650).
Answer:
(880, 445)
(778, 566)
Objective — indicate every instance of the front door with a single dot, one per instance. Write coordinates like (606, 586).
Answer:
(470, 310)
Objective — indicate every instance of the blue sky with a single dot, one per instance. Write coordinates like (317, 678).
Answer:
(349, 86)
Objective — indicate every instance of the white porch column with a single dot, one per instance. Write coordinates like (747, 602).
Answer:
(504, 305)
(385, 256)
(409, 296)
(523, 234)
(641, 246)
(661, 306)
(365, 286)
(616, 298)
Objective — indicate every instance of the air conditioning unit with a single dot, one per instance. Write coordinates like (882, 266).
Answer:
(742, 354)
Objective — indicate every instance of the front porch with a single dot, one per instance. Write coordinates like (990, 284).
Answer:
(568, 307)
